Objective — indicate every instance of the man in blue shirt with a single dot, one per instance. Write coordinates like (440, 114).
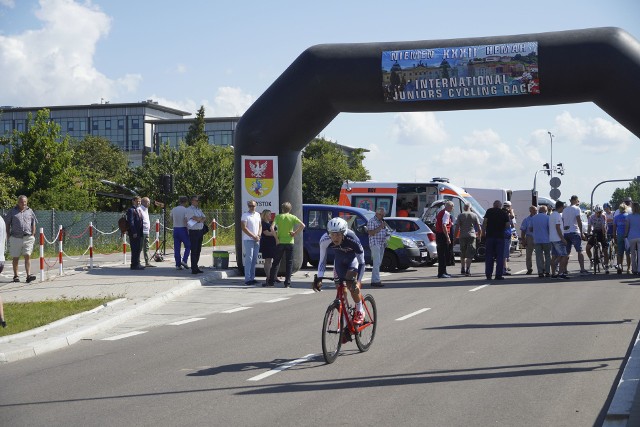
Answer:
(542, 244)
(527, 238)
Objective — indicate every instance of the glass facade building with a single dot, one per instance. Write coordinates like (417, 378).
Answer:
(136, 128)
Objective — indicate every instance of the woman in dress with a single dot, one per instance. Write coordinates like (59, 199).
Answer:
(267, 241)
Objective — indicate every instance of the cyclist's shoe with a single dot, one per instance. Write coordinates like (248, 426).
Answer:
(358, 318)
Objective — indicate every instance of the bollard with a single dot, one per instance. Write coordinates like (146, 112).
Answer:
(157, 235)
(41, 254)
(214, 226)
(124, 248)
(90, 245)
(60, 249)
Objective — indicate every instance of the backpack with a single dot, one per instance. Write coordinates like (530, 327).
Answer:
(123, 224)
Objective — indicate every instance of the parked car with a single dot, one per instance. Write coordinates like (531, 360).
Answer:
(399, 253)
(416, 228)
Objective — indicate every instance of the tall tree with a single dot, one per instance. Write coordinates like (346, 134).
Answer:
(196, 131)
(633, 191)
(325, 166)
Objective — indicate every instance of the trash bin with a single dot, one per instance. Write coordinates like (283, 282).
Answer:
(221, 259)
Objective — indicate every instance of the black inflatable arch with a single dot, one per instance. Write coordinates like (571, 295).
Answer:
(601, 65)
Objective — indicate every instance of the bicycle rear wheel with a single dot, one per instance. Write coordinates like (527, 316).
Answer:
(597, 253)
(331, 333)
(365, 337)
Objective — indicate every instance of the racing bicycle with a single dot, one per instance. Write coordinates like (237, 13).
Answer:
(338, 327)
(598, 255)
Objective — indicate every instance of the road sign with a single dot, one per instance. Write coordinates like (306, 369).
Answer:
(555, 182)
(554, 193)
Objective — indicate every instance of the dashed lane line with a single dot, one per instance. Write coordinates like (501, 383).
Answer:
(415, 313)
(235, 310)
(478, 288)
(277, 299)
(122, 336)
(185, 321)
(282, 367)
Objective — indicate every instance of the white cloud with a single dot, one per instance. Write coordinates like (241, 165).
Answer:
(8, 3)
(54, 64)
(596, 135)
(227, 102)
(418, 128)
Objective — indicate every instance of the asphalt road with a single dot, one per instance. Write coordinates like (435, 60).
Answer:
(522, 352)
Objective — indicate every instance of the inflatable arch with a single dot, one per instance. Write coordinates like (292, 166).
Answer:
(601, 65)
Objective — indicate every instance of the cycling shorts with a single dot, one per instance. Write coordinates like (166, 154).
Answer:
(600, 238)
(342, 265)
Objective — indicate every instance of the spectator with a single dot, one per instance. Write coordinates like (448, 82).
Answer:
(559, 256)
(526, 237)
(619, 224)
(146, 227)
(21, 228)
(251, 231)
(466, 225)
(195, 225)
(507, 236)
(403, 211)
(180, 233)
(134, 222)
(573, 233)
(3, 241)
(496, 221)
(443, 238)
(378, 236)
(267, 242)
(539, 225)
(625, 206)
(632, 235)
(285, 233)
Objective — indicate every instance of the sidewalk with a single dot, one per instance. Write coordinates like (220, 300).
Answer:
(135, 293)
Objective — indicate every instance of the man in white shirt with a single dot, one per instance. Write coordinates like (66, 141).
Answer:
(3, 242)
(146, 227)
(573, 233)
(180, 233)
(559, 257)
(251, 225)
(195, 224)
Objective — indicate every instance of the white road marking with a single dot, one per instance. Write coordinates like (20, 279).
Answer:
(277, 299)
(282, 367)
(521, 271)
(415, 313)
(309, 292)
(233, 310)
(185, 321)
(478, 288)
(127, 335)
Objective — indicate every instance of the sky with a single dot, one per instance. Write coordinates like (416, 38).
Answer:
(224, 55)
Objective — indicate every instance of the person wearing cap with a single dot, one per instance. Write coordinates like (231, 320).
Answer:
(559, 257)
(598, 224)
(573, 233)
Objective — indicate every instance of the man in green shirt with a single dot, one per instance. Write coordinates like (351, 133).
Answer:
(287, 227)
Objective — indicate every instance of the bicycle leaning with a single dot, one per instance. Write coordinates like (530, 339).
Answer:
(339, 326)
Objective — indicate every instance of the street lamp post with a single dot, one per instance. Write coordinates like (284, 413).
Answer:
(551, 137)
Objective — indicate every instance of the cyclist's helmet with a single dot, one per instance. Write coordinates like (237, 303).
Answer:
(598, 208)
(337, 225)
(606, 205)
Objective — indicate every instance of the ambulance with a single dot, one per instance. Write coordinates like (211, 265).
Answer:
(406, 198)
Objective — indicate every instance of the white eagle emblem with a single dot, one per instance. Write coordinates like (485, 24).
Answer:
(258, 169)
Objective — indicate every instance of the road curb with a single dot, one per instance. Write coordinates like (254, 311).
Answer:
(624, 397)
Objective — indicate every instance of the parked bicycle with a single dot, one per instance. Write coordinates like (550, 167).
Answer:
(339, 327)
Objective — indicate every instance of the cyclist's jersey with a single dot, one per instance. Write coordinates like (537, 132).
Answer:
(349, 252)
(609, 217)
(597, 223)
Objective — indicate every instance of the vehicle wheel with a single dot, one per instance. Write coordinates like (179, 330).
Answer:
(331, 333)
(480, 253)
(365, 337)
(389, 261)
(403, 267)
(431, 261)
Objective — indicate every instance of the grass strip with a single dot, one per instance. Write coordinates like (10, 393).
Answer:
(24, 316)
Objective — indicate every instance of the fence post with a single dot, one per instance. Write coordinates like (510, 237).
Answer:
(124, 248)
(60, 250)
(41, 254)
(157, 235)
(90, 245)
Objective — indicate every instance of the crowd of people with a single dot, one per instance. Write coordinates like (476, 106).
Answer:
(550, 235)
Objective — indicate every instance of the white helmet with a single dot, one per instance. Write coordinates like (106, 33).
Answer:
(597, 208)
(337, 225)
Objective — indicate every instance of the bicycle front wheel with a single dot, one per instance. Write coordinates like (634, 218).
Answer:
(364, 338)
(331, 333)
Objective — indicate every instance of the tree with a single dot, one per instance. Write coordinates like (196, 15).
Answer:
(41, 161)
(202, 169)
(8, 191)
(196, 131)
(325, 166)
(633, 191)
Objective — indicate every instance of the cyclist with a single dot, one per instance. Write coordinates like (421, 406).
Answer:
(598, 224)
(608, 214)
(348, 259)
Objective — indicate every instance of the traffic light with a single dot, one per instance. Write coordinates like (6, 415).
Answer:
(166, 182)
(560, 169)
(547, 169)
